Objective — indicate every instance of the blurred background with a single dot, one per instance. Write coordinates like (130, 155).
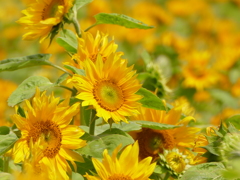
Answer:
(190, 57)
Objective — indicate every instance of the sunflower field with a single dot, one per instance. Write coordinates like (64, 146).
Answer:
(120, 90)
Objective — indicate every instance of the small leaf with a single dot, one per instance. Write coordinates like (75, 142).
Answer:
(68, 41)
(121, 20)
(81, 3)
(4, 130)
(150, 100)
(12, 64)
(211, 170)
(75, 70)
(85, 167)
(6, 142)
(155, 125)
(21, 112)
(235, 121)
(27, 89)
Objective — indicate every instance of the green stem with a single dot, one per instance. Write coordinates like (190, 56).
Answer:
(5, 164)
(76, 25)
(58, 67)
(65, 87)
(166, 176)
(92, 122)
(90, 27)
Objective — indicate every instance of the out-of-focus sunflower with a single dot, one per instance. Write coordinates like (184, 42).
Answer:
(90, 47)
(153, 141)
(109, 87)
(41, 16)
(48, 120)
(126, 167)
(197, 73)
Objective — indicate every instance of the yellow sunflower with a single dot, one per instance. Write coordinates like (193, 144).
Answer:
(153, 141)
(47, 121)
(90, 47)
(109, 87)
(41, 16)
(197, 73)
(126, 167)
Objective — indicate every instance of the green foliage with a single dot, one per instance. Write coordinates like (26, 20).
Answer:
(62, 78)
(81, 3)
(12, 64)
(75, 70)
(150, 100)
(106, 140)
(77, 176)
(68, 41)
(6, 142)
(155, 125)
(204, 171)
(234, 120)
(121, 20)
(4, 130)
(5, 176)
(27, 89)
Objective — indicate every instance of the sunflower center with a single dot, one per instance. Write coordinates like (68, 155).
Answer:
(49, 133)
(152, 142)
(108, 95)
(51, 9)
(176, 162)
(119, 177)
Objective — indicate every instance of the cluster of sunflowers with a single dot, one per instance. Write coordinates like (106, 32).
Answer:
(168, 111)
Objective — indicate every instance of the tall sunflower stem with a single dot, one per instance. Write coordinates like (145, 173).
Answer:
(93, 118)
(70, 89)
(5, 164)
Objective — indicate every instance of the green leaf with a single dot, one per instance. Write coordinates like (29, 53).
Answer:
(5, 176)
(209, 171)
(12, 64)
(155, 125)
(6, 142)
(150, 100)
(21, 112)
(96, 147)
(77, 176)
(27, 89)
(75, 70)
(121, 20)
(4, 130)
(68, 41)
(85, 167)
(235, 121)
(81, 3)
(126, 127)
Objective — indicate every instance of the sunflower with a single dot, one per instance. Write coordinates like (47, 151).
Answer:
(90, 47)
(153, 141)
(125, 167)
(197, 73)
(109, 87)
(41, 16)
(46, 120)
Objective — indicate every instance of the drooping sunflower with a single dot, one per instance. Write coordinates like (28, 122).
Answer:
(46, 120)
(41, 16)
(90, 47)
(126, 167)
(152, 142)
(109, 87)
